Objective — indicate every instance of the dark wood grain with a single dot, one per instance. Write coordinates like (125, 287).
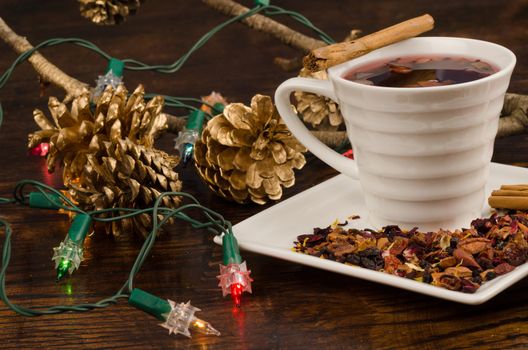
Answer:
(292, 306)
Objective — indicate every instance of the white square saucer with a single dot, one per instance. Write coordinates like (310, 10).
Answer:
(273, 231)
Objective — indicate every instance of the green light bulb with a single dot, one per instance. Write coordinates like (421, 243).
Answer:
(63, 268)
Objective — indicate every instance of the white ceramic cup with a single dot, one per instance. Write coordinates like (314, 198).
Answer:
(422, 155)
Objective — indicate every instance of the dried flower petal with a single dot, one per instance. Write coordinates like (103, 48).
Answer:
(427, 257)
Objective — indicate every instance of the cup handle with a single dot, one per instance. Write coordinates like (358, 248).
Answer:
(337, 161)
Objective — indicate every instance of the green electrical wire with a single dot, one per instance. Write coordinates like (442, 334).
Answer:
(135, 65)
(215, 223)
(272, 10)
(132, 64)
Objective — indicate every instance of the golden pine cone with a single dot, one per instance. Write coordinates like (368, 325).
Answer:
(317, 109)
(108, 12)
(108, 156)
(248, 154)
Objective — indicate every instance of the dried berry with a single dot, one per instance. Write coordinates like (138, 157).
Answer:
(371, 259)
(354, 259)
(391, 231)
(490, 275)
(427, 278)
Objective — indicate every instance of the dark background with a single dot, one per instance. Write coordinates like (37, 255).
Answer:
(292, 306)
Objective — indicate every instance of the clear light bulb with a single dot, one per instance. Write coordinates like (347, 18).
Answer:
(234, 279)
(181, 318)
(67, 256)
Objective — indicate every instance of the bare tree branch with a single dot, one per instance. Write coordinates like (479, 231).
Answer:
(264, 24)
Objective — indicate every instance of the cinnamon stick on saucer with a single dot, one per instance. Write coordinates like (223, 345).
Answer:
(510, 197)
(331, 55)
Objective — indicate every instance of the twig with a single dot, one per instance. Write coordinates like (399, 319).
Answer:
(514, 120)
(288, 64)
(264, 24)
(48, 72)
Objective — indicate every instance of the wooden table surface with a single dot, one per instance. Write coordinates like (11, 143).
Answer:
(292, 306)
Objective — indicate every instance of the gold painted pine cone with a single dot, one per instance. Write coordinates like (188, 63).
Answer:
(248, 154)
(316, 109)
(108, 12)
(108, 156)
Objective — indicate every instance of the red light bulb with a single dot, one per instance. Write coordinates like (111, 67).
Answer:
(44, 149)
(40, 150)
(236, 293)
(349, 154)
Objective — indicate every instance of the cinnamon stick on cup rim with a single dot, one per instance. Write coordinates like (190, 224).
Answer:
(331, 55)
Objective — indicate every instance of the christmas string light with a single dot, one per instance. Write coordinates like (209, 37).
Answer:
(135, 65)
(69, 254)
(41, 150)
(189, 135)
(176, 316)
(234, 277)
(113, 77)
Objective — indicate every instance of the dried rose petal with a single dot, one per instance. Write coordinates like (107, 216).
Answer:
(391, 231)
(482, 225)
(367, 234)
(469, 286)
(503, 268)
(411, 253)
(449, 259)
(309, 239)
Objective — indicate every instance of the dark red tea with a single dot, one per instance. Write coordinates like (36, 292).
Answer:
(421, 72)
